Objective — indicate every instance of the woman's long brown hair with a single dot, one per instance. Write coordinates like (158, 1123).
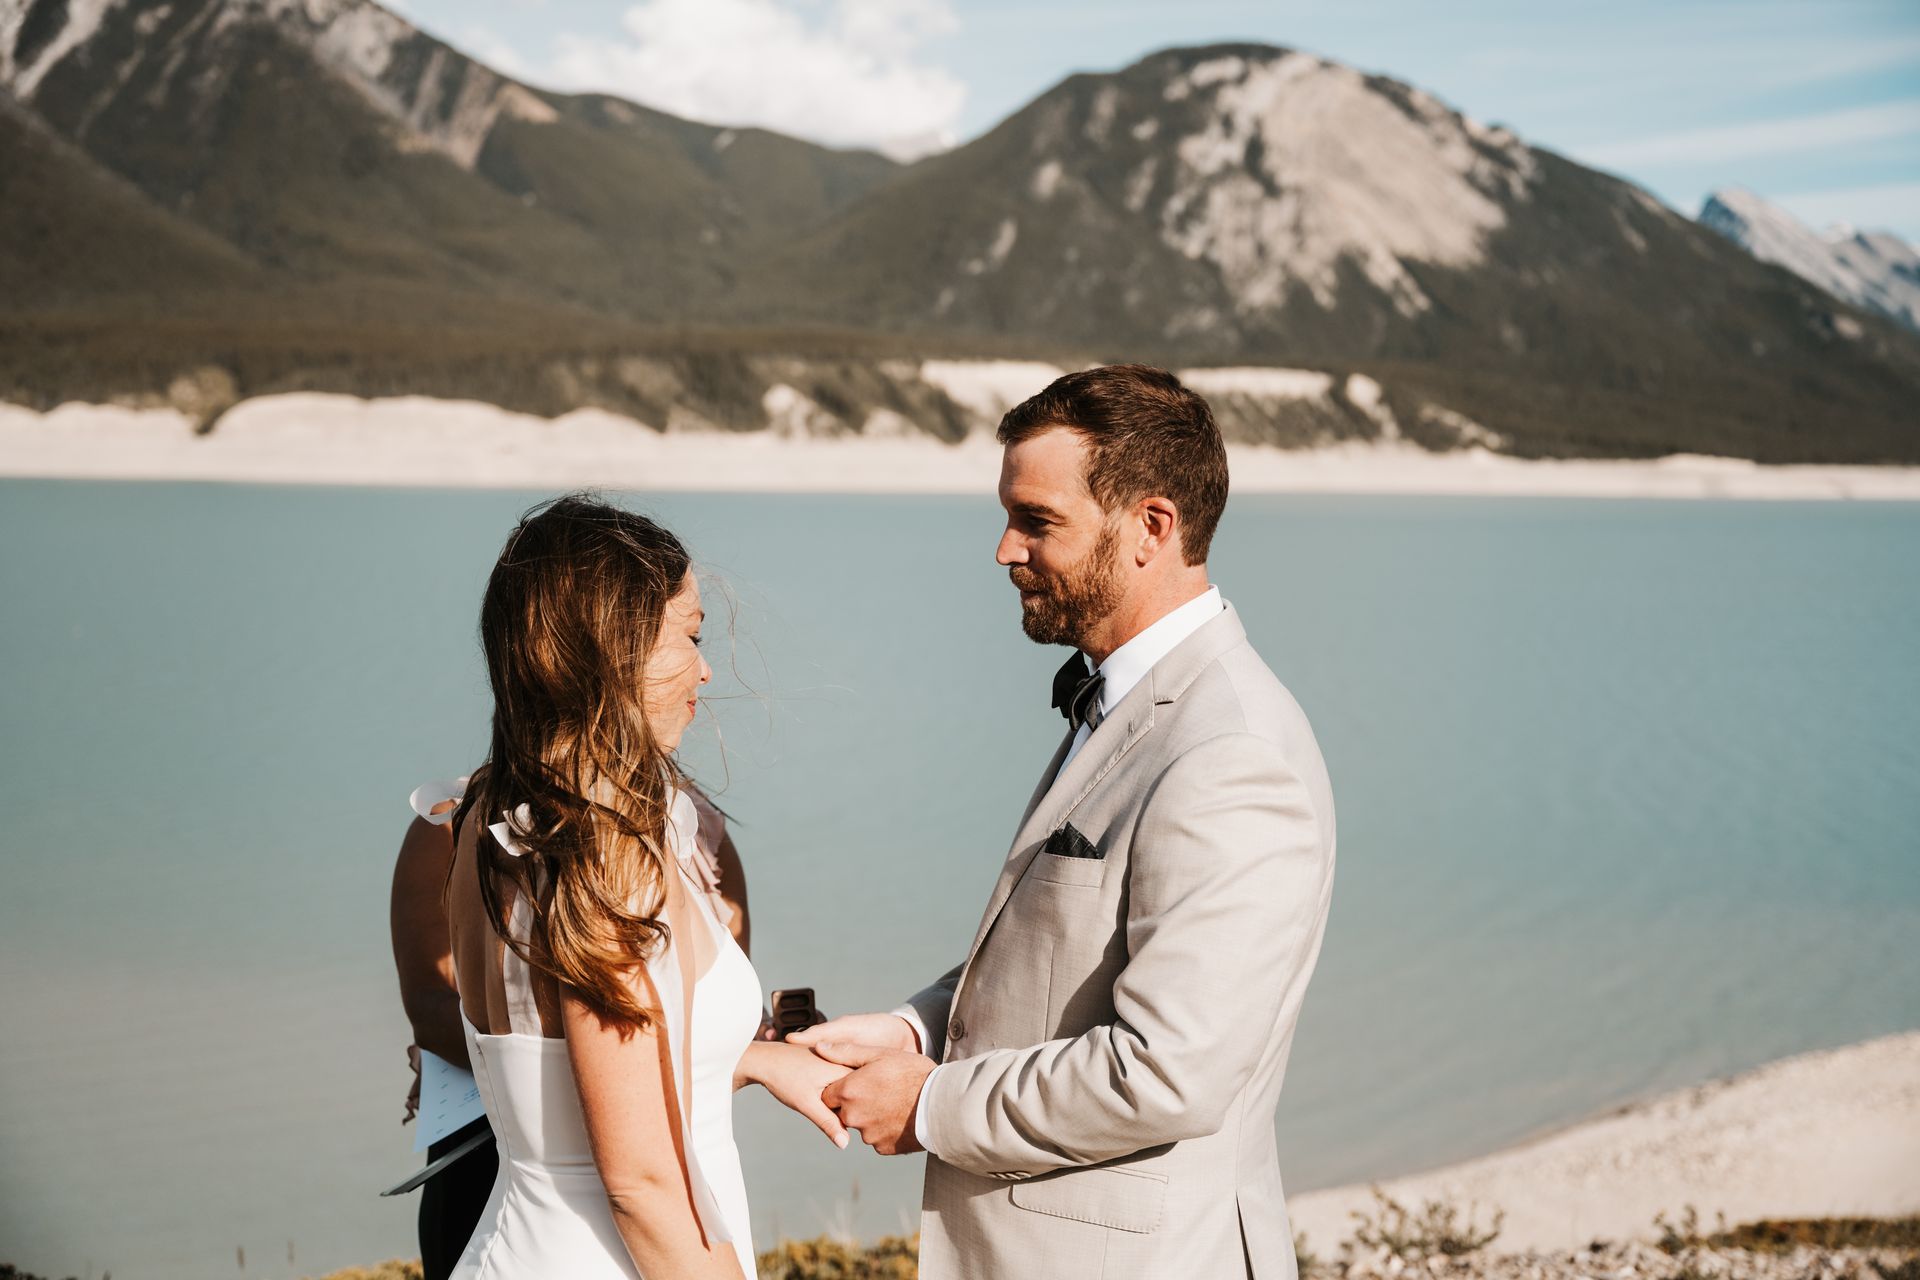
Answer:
(572, 610)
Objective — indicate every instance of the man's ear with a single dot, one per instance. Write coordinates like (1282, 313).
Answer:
(1159, 524)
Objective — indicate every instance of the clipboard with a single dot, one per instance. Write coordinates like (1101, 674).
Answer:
(449, 1100)
(414, 1182)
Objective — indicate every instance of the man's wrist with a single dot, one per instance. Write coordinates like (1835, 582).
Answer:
(911, 1016)
(920, 1126)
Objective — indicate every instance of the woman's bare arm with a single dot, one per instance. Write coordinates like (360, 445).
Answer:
(422, 949)
(628, 1097)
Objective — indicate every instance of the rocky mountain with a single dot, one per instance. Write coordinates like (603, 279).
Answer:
(389, 215)
(1248, 203)
(330, 138)
(1874, 270)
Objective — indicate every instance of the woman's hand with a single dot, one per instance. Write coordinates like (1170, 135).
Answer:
(796, 1076)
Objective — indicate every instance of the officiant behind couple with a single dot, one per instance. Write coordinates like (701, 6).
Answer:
(1095, 1081)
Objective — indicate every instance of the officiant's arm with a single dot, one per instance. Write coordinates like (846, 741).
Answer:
(715, 836)
(422, 949)
(1228, 882)
(733, 890)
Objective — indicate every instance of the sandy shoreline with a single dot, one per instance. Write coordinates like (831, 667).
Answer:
(307, 438)
(1828, 1134)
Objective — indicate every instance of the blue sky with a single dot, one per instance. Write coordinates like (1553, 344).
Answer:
(1814, 104)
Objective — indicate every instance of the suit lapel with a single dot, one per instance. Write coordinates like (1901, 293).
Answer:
(1051, 804)
(1046, 780)
(1062, 790)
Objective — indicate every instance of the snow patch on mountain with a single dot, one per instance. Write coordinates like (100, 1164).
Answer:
(1874, 270)
(1304, 164)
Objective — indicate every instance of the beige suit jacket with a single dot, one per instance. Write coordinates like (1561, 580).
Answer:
(1115, 1040)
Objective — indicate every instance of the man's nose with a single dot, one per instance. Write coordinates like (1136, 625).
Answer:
(1012, 549)
(706, 670)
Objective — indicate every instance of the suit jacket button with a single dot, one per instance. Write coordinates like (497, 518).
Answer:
(956, 1030)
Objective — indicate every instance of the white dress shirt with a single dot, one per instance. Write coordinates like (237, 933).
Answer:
(1124, 668)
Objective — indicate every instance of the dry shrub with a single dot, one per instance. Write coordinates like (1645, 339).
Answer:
(888, 1258)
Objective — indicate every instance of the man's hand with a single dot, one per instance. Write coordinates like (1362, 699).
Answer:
(880, 1096)
(882, 1030)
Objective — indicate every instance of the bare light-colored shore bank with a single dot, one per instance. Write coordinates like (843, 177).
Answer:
(1829, 1134)
(328, 439)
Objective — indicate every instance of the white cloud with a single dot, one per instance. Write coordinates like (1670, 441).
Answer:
(847, 73)
(1762, 138)
(1892, 206)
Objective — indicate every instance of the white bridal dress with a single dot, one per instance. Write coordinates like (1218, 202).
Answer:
(548, 1216)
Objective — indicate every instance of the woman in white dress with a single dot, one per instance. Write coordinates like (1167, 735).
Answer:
(609, 1013)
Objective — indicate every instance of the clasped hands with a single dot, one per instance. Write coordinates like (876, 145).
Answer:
(869, 1070)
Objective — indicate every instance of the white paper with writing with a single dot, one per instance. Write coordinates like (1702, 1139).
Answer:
(449, 1099)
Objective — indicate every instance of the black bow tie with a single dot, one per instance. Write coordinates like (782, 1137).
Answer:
(1076, 695)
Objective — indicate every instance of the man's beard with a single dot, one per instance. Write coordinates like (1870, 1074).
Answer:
(1070, 604)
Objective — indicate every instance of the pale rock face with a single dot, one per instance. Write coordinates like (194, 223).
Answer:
(1627, 232)
(986, 389)
(1874, 270)
(1471, 433)
(83, 19)
(1140, 183)
(354, 39)
(1046, 180)
(996, 253)
(520, 104)
(889, 424)
(1278, 384)
(1100, 119)
(794, 415)
(1364, 394)
(1302, 165)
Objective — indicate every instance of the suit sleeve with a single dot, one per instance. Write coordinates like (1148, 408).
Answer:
(926, 1011)
(1230, 878)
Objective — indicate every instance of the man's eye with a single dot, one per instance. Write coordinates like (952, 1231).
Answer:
(696, 641)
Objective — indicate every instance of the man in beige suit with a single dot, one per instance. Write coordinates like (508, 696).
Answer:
(1095, 1083)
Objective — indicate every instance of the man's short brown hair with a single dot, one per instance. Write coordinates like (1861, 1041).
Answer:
(1146, 435)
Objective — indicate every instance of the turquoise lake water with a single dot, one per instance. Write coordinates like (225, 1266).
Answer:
(1629, 797)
